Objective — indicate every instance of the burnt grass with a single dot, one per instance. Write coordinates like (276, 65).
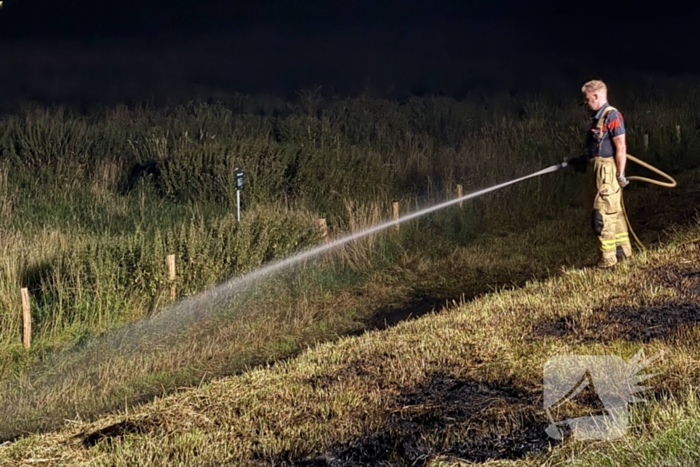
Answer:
(117, 430)
(684, 280)
(635, 324)
(446, 415)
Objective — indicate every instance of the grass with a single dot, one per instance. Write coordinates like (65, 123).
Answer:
(93, 203)
(463, 384)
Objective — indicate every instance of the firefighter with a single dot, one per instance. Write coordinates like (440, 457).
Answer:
(604, 164)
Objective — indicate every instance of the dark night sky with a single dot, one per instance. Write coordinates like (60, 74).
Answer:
(88, 18)
(303, 42)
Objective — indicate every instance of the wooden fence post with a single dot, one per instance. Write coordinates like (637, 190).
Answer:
(646, 142)
(172, 275)
(322, 229)
(26, 319)
(395, 213)
(460, 193)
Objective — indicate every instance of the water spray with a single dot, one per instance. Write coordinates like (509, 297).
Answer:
(224, 291)
(230, 293)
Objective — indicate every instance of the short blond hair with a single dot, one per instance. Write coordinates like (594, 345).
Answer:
(594, 85)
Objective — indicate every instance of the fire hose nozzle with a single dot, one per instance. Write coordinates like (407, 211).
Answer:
(578, 163)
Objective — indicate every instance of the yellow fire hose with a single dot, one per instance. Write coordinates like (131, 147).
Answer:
(670, 184)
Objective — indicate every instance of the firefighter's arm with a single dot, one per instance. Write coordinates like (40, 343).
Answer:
(620, 157)
(620, 152)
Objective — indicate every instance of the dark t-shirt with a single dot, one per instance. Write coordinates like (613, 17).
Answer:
(600, 143)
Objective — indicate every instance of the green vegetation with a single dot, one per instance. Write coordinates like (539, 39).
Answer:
(92, 204)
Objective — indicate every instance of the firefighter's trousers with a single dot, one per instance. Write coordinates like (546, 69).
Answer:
(603, 203)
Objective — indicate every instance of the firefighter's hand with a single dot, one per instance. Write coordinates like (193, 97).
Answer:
(622, 180)
(579, 163)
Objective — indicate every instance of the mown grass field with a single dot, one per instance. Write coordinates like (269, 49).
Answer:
(92, 204)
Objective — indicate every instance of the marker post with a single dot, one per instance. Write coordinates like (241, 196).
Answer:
(239, 188)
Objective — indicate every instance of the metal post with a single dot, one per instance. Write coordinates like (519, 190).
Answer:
(239, 187)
